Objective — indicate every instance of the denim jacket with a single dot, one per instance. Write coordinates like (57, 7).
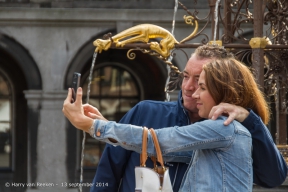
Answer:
(222, 154)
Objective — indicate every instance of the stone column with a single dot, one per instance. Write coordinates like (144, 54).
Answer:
(34, 105)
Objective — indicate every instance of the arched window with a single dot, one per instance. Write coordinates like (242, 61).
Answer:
(114, 91)
(5, 123)
(18, 73)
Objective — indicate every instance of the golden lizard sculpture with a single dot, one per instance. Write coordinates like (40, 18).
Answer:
(143, 33)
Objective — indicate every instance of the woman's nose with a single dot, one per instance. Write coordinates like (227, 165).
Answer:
(195, 95)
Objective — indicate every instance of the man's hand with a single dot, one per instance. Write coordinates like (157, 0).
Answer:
(75, 112)
(232, 111)
(93, 112)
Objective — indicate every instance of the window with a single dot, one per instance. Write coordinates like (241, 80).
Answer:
(113, 91)
(5, 124)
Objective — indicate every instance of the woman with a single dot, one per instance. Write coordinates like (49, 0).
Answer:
(222, 154)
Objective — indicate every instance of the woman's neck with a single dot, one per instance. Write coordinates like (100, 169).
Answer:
(194, 117)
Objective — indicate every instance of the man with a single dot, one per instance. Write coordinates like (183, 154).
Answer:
(116, 166)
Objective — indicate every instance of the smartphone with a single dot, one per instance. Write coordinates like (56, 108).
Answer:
(75, 85)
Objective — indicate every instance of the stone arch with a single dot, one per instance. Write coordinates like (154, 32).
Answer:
(23, 73)
(23, 61)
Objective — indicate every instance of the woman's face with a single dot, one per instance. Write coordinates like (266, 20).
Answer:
(204, 100)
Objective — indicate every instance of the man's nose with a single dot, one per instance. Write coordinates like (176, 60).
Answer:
(189, 86)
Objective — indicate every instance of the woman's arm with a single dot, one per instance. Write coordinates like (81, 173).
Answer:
(202, 135)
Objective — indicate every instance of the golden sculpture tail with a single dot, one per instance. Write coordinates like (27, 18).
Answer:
(189, 20)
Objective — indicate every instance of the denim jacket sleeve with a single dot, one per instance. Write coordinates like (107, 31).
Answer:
(207, 134)
(269, 167)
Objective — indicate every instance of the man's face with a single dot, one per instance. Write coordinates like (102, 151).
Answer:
(191, 75)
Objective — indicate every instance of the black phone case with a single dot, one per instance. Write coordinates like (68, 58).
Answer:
(75, 85)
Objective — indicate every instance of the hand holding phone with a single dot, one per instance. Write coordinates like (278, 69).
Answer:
(75, 85)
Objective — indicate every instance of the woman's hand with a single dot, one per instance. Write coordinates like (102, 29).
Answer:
(93, 112)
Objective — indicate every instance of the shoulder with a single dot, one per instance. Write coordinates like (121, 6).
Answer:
(156, 114)
(149, 104)
(218, 125)
(235, 125)
(239, 128)
(149, 108)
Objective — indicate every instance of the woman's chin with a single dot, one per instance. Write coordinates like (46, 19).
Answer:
(202, 115)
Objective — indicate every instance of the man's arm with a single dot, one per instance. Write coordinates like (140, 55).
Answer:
(269, 167)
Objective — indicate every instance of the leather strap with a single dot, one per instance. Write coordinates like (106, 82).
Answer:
(157, 147)
(143, 156)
